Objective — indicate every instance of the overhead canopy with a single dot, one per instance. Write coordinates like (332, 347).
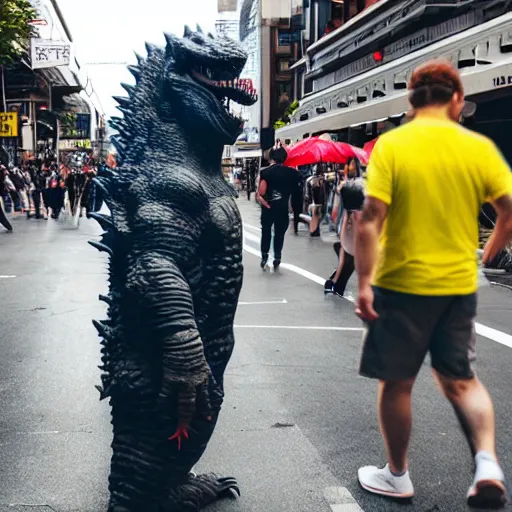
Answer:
(476, 80)
(298, 64)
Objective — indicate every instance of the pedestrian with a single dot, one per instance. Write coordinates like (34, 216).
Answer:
(276, 185)
(427, 181)
(316, 194)
(297, 204)
(3, 193)
(352, 198)
(38, 192)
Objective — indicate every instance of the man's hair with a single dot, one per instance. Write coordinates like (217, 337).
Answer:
(434, 83)
(278, 155)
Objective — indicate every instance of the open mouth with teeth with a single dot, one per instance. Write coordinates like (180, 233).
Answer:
(234, 89)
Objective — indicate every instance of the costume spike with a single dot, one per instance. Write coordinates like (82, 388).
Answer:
(210, 35)
(105, 221)
(124, 110)
(103, 330)
(130, 89)
(187, 31)
(135, 71)
(103, 395)
(140, 58)
(106, 299)
(122, 100)
(150, 48)
(101, 247)
(199, 29)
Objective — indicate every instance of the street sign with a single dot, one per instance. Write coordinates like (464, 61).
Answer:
(8, 124)
(49, 54)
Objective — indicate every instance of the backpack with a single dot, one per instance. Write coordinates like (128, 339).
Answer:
(352, 194)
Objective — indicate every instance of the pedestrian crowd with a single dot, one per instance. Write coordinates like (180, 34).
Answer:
(43, 189)
(410, 231)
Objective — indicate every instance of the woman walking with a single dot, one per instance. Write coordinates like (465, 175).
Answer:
(352, 197)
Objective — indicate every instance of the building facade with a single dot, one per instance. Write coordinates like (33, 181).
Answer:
(51, 95)
(352, 79)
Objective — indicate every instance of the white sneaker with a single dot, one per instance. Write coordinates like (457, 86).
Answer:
(488, 489)
(382, 481)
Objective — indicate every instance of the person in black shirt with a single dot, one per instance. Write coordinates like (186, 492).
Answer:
(277, 184)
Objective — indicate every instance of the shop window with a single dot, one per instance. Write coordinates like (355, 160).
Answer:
(506, 42)
(284, 38)
(400, 81)
(337, 10)
(283, 65)
(466, 58)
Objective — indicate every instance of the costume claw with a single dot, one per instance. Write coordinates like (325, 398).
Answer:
(228, 486)
(182, 431)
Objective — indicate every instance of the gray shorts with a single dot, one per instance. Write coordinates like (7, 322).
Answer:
(409, 326)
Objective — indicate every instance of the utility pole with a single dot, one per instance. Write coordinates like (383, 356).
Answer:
(4, 100)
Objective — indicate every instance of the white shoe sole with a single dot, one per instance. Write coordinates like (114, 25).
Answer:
(489, 494)
(399, 496)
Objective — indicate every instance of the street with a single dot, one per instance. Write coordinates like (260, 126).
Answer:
(297, 421)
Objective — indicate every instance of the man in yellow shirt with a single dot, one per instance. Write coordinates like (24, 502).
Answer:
(427, 181)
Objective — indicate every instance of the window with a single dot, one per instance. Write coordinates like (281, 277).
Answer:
(283, 65)
(284, 38)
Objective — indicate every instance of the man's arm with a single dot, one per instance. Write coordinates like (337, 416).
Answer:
(502, 234)
(368, 230)
(262, 190)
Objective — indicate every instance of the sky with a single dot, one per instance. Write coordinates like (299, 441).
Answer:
(111, 30)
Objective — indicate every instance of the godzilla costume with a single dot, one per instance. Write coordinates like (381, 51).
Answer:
(174, 238)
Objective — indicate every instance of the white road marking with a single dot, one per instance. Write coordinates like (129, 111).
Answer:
(481, 329)
(252, 237)
(7, 277)
(301, 327)
(250, 226)
(341, 500)
(346, 507)
(252, 250)
(261, 303)
(494, 334)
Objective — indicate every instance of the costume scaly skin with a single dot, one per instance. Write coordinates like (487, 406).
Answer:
(174, 238)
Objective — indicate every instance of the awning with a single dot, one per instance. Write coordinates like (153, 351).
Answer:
(250, 153)
(477, 80)
(298, 64)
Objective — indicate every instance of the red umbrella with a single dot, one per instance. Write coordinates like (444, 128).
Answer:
(316, 150)
(368, 147)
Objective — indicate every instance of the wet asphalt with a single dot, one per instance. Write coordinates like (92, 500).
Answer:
(297, 421)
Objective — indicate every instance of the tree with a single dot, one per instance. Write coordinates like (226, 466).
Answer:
(15, 28)
(15, 31)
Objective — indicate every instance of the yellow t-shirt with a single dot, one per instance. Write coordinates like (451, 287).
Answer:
(434, 175)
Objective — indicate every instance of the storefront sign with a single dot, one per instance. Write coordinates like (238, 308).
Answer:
(49, 54)
(69, 144)
(502, 81)
(8, 124)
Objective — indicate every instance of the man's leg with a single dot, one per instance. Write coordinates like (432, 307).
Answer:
(394, 349)
(453, 352)
(395, 418)
(280, 227)
(267, 220)
(474, 409)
